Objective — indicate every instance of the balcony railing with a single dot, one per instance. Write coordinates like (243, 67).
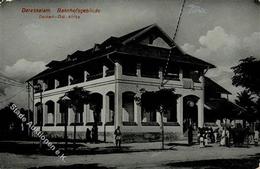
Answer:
(150, 76)
(96, 76)
(110, 72)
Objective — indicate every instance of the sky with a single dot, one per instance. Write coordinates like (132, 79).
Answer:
(220, 32)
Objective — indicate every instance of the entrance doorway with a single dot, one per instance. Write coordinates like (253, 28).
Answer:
(190, 112)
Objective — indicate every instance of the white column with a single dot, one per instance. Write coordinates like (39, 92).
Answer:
(86, 74)
(200, 105)
(118, 108)
(70, 116)
(180, 111)
(118, 70)
(54, 113)
(88, 116)
(160, 73)
(181, 74)
(105, 68)
(137, 113)
(158, 118)
(84, 115)
(56, 83)
(91, 116)
(70, 79)
(35, 115)
(105, 109)
(138, 70)
(58, 116)
(44, 86)
(107, 115)
(118, 96)
(44, 113)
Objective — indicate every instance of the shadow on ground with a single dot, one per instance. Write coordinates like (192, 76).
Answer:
(75, 166)
(81, 149)
(245, 163)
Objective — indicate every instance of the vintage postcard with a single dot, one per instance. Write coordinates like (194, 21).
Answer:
(117, 84)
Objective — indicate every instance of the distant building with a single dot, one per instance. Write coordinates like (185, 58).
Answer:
(114, 72)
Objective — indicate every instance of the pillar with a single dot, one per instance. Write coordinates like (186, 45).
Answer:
(54, 113)
(137, 113)
(158, 118)
(70, 116)
(105, 68)
(138, 70)
(118, 70)
(84, 115)
(86, 74)
(44, 86)
(118, 108)
(89, 114)
(107, 115)
(200, 105)
(105, 109)
(160, 73)
(56, 83)
(180, 111)
(118, 95)
(34, 115)
(70, 79)
(181, 74)
(57, 112)
(44, 114)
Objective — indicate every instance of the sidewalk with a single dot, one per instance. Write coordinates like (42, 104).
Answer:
(105, 148)
(134, 155)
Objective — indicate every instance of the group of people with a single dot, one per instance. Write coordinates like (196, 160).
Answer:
(91, 136)
(224, 135)
(207, 135)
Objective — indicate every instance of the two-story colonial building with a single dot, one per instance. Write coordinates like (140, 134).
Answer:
(114, 72)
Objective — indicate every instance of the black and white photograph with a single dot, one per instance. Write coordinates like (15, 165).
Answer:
(129, 84)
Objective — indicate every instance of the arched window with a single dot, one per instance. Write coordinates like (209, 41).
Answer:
(80, 110)
(63, 113)
(128, 106)
(190, 111)
(50, 111)
(110, 114)
(96, 106)
(38, 109)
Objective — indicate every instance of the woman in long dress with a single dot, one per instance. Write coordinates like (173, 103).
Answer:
(223, 138)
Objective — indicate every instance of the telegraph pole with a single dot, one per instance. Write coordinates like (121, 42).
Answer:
(28, 117)
(41, 108)
(39, 88)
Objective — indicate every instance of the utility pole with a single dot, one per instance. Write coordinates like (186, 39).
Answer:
(39, 88)
(28, 116)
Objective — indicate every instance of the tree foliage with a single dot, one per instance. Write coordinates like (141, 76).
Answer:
(78, 96)
(246, 74)
(246, 100)
(158, 100)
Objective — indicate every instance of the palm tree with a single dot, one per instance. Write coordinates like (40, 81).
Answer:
(73, 99)
(245, 100)
(159, 101)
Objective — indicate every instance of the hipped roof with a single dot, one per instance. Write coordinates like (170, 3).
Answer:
(124, 43)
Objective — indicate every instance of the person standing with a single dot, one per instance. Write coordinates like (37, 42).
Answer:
(256, 137)
(118, 138)
(190, 135)
(216, 135)
(223, 137)
(88, 136)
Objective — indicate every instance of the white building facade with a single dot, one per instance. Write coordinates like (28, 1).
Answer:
(114, 72)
